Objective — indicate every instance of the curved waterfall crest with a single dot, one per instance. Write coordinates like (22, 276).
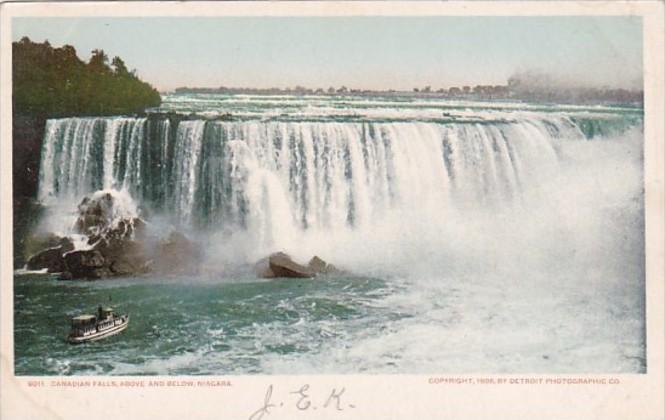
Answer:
(272, 176)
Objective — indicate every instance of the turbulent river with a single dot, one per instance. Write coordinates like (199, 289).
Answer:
(480, 237)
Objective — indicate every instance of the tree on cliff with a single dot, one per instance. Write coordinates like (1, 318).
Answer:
(53, 82)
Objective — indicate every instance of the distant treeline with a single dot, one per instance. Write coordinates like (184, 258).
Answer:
(54, 82)
(518, 88)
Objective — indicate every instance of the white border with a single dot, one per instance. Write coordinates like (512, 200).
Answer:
(378, 396)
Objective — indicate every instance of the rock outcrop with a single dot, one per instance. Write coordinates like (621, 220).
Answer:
(89, 264)
(109, 221)
(176, 255)
(280, 264)
(104, 215)
(51, 259)
(114, 242)
(319, 266)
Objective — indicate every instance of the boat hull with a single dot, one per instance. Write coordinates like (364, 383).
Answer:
(99, 335)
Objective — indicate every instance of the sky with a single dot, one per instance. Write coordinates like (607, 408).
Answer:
(358, 52)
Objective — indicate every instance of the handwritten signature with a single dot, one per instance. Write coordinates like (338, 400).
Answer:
(303, 401)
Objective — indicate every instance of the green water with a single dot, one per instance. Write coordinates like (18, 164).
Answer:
(187, 326)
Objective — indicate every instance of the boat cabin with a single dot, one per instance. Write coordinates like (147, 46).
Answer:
(105, 318)
(104, 313)
(84, 324)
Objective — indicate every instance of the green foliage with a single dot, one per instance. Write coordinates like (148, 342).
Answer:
(53, 82)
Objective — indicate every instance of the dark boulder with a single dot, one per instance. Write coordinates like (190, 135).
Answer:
(115, 237)
(123, 257)
(39, 241)
(262, 268)
(88, 264)
(102, 215)
(95, 214)
(319, 266)
(117, 244)
(280, 264)
(51, 258)
(283, 266)
(176, 255)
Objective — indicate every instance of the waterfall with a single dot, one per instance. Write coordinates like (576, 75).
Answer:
(187, 151)
(273, 178)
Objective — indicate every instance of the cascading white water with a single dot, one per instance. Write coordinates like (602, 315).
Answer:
(275, 181)
(339, 175)
(186, 156)
(484, 241)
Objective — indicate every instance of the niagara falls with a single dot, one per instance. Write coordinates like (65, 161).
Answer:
(473, 236)
(333, 195)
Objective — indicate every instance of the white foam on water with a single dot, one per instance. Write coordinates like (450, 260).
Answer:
(24, 271)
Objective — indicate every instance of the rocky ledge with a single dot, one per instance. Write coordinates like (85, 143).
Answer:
(109, 239)
(114, 243)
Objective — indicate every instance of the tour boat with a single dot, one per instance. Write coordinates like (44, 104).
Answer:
(91, 328)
